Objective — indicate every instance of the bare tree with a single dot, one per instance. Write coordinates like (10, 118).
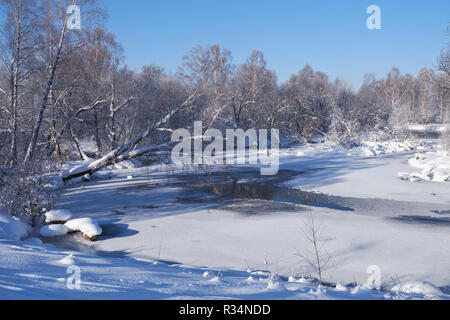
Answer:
(310, 97)
(253, 92)
(207, 71)
(18, 45)
(114, 109)
(127, 150)
(317, 259)
(443, 85)
(56, 54)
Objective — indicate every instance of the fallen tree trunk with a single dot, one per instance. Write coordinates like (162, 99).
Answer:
(124, 152)
(109, 160)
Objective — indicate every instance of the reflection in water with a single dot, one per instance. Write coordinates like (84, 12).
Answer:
(279, 194)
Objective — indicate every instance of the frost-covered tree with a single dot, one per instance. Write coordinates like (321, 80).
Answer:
(310, 98)
(206, 71)
(443, 87)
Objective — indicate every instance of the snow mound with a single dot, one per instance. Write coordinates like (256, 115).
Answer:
(429, 128)
(57, 216)
(418, 287)
(87, 226)
(434, 166)
(299, 280)
(54, 230)
(12, 228)
(340, 287)
(371, 148)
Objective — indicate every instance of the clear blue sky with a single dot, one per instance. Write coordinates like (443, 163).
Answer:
(330, 35)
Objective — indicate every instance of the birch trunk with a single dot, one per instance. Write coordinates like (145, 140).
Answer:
(14, 88)
(37, 126)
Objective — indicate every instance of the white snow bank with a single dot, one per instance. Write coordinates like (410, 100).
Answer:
(87, 226)
(12, 228)
(367, 148)
(418, 287)
(54, 230)
(370, 148)
(429, 128)
(57, 216)
(434, 166)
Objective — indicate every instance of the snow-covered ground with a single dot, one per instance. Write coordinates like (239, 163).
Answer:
(374, 217)
(32, 270)
(433, 166)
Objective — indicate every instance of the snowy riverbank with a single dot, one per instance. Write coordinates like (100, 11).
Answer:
(149, 215)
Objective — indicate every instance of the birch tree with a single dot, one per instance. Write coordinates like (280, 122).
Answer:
(57, 27)
(17, 52)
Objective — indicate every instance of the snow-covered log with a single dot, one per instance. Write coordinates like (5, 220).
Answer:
(109, 160)
(87, 226)
(125, 151)
(57, 216)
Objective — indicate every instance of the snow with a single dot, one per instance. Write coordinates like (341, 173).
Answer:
(12, 228)
(370, 148)
(54, 230)
(41, 272)
(418, 287)
(129, 164)
(397, 225)
(340, 287)
(384, 232)
(57, 216)
(87, 226)
(55, 183)
(430, 128)
(33, 241)
(433, 166)
(31, 270)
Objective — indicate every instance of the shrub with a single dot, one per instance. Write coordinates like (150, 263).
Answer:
(23, 192)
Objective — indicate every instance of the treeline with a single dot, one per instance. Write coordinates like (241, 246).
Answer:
(60, 87)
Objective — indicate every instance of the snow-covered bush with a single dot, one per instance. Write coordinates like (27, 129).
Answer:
(341, 135)
(22, 192)
(344, 130)
(418, 287)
